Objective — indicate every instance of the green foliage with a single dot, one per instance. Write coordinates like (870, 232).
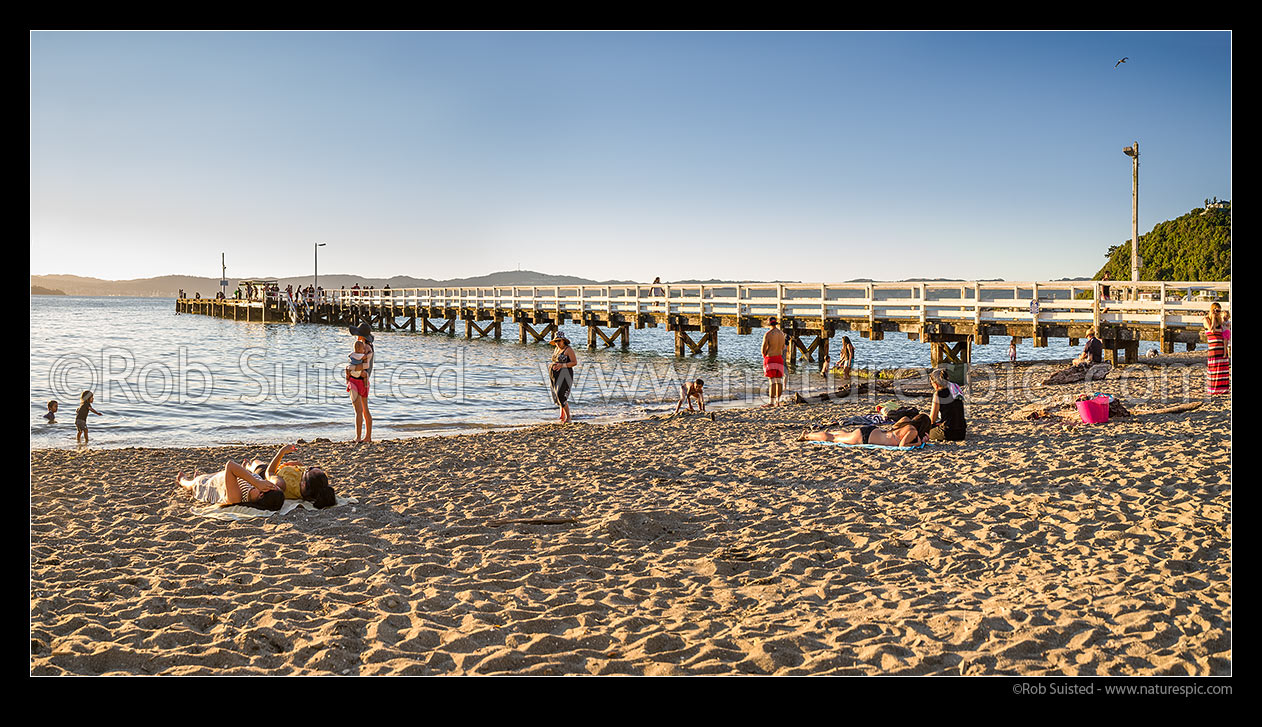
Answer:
(1194, 247)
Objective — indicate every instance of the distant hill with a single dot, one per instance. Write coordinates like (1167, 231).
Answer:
(168, 286)
(37, 290)
(1194, 247)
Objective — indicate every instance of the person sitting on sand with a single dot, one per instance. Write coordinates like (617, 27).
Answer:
(905, 433)
(1092, 352)
(257, 484)
(688, 392)
(947, 410)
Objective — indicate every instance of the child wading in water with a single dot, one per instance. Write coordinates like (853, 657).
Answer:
(51, 416)
(81, 417)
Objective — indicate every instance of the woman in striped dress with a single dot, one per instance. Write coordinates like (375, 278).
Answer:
(1218, 374)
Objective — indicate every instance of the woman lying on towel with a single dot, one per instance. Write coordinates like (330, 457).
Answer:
(258, 484)
(905, 433)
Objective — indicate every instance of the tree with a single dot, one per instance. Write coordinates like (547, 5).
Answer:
(1194, 247)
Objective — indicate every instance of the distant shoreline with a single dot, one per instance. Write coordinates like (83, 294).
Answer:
(38, 290)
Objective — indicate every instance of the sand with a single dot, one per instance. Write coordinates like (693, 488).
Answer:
(682, 547)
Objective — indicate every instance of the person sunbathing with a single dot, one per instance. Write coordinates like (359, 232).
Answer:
(258, 484)
(906, 432)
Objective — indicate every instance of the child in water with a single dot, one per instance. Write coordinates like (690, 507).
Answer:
(81, 417)
(1012, 350)
(51, 416)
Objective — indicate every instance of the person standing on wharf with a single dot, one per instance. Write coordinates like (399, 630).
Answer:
(363, 418)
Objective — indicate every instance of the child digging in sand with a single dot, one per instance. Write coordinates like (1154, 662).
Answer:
(81, 417)
(688, 392)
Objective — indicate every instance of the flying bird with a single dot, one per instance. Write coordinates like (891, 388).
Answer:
(1115, 65)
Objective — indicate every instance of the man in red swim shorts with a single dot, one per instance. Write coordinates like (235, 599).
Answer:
(773, 359)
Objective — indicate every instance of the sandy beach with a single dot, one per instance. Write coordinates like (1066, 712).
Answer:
(686, 546)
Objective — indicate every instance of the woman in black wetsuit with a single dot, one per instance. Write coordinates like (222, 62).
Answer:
(562, 374)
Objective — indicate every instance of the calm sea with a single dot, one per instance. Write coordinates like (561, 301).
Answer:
(167, 379)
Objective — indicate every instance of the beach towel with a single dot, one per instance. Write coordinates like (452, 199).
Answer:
(239, 512)
(878, 446)
(864, 420)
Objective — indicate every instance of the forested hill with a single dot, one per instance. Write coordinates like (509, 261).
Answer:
(1194, 247)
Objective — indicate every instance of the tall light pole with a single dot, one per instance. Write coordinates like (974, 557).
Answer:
(315, 287)
(1133, 153)
(223, 275)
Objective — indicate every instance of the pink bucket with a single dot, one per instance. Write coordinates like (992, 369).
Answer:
(1094, 411)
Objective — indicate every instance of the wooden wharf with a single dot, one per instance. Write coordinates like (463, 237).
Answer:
(949, 316)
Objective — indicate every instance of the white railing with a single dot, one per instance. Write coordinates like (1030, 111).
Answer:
(1166, 304)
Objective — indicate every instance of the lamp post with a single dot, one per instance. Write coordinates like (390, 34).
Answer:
(315, 287)
(1133, 153)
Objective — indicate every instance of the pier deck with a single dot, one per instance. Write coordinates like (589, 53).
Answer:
(950, 316)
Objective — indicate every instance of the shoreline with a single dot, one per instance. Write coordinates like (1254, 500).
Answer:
(651, 411)
(660, 547)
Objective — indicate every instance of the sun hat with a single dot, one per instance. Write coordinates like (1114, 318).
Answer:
(363, 329)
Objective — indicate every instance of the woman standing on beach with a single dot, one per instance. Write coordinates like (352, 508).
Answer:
(561, 372)
(357, 375)
(1218, 373)
(846, 360)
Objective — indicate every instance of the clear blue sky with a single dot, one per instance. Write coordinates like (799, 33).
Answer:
(756, 156)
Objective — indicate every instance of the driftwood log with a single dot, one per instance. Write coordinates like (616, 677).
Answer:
(1171, 409)
(885, 388)
(533, 521)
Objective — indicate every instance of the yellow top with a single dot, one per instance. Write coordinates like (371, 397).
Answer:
(292, 475)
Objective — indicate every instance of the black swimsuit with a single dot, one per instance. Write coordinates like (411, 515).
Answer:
(562, 380)
(866, 431)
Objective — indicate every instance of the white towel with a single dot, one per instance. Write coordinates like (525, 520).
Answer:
(241, 512)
